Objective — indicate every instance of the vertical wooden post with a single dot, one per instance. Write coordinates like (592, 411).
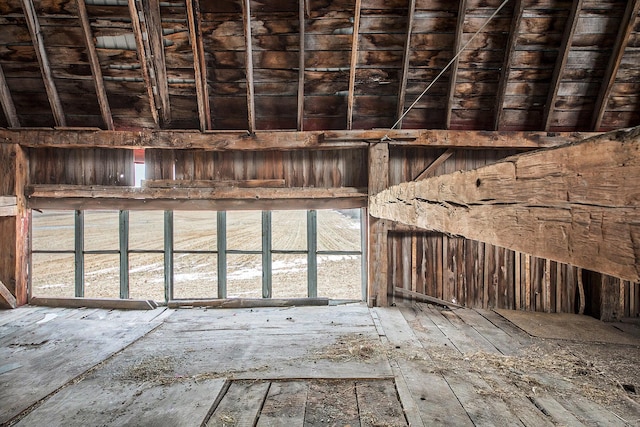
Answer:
(79, 253)
(124, 254)
(14, 249)
(168, 256)
(312, 253)
(377, 250)
(266, 254)
(221, 232)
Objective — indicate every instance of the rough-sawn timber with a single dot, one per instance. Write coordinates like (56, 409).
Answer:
(578, 204)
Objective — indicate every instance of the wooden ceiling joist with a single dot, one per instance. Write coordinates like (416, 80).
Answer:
(580, 208)
(354, 63)
(199, 63)
(561, 61)
(153, 28)
(301, 64)
(284, 140)
(6, 101)
(622, 39)
(248, 55)
(94, 62)
(457, 44)
(402, 90)
(510, 49)
(45, 68)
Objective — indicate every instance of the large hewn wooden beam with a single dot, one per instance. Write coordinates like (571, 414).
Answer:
(353, 64)
(453, 74)
(404, 76)
(199, 63)
(626, 26)
(510, 49)
(283, 140)
(6, 101)
(94, 62)
(378, 287)
(561, 61)
(248, 63)
(578, 204)
(45, 68)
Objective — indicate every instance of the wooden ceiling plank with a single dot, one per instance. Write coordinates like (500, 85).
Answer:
(622, 39)
(561, 61)
(284, 140)
(45, 68)
(457, 44)
(402, 90)
(199, 63)
(246, 16)
(144, 60)
(6, 101)
(301, 63)
(94, 62)
(153, 25)
(510, 49)
(354, 62)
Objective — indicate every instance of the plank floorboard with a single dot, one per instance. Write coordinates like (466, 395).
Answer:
(285, 404)
(378, 404)
(241, 405)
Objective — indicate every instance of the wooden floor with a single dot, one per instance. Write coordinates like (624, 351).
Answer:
(314, 366)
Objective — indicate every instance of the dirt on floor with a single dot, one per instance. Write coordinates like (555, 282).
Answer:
(195, 273)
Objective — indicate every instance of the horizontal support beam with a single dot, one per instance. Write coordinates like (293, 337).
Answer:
(578, 204)
(206, 183)
(282, 140)
(107, 197)
(249, 302)
(106, 303)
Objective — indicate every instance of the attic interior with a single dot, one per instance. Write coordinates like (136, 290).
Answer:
(489, 151)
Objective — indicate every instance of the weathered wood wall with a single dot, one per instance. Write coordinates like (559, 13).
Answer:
(482, 275)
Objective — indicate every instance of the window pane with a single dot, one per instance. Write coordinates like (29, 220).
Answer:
(146, 276)
(289, 272)
(146, 230)
(194, 230)
(101, 230)
(339, 276)
(101, 276)
(53, 275)
(195, 276)
(244, 276)
(244, 230)
(53, 230)
(289, 230)
(339, 230)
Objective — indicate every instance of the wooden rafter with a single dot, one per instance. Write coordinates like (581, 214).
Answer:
(7, 102)
(354, 63)
(563, 54)
(94, 62)
(457, 44)
(579, 209)
(153, 25)
(199, 63)
(284, 140)
(508, 58)
(43, 60)
(402, 90)
(626, 26)
(248, 50)
(435, 164)
(142, 57)
(301, 64)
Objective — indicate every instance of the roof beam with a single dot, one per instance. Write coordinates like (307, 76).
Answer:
(246, 16)
(43, 60)
(561, 61)
(142, 57)
(508, 59)
(283, 140)
(301, 63)
(354, 63)
(579, 209)
(626, 26)
(457, 44)
(94, 62)
(7, 102)
(199, 63)
(153, 25)
(402, 90)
